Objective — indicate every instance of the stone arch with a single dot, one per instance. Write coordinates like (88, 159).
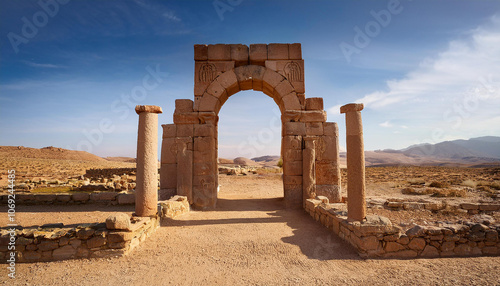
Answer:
(248, 77)
(309, 144)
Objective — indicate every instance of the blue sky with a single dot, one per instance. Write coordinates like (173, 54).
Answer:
(427, 73)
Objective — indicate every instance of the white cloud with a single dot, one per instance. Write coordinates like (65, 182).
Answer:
(171, 16)
(448, 75)
(38, 65)
(385, 124)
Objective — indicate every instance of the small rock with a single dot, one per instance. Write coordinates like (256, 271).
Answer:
(118, 221)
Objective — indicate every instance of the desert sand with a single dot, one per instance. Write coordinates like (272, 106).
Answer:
(249, 239)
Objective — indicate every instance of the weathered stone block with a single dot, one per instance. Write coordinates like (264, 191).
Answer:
(209, 103)
(283, 88)
(126, 199)
(314, 103)
(118, 221)
(270, 80)
(104, 196)
(258, 54)
(47, 245)
(216, 90)
(332, 192)
(291, 102)
(168, 176)
(80, 197)
(292, 168)
(313, 116)
(169, 130)
(326, 173)
(205, 168)
(294, 51)
(200, 52)
(417, 244)
(219, 52)
(239, 54)
(277, 52)
(229, 82)
(64, 252)
(45, 198)
(186, 118)
(292, 180)
(314, 128)
(63, 198)
(183, 105)
(204, 130)
(295, 128)
(330, 128)
(469, 206)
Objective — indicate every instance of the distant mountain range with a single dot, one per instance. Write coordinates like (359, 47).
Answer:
(473, 152)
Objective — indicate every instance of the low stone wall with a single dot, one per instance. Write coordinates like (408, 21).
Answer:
(59, 242)
(376, 237)
(401, 204)
(111, 198)
(106, 173)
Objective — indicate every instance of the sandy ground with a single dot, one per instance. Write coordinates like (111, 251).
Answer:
(250, 239)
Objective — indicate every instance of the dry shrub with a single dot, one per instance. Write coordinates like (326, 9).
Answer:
(469, 183)
(441, 193)
(416, 181)
(439, 185)
(412, 191)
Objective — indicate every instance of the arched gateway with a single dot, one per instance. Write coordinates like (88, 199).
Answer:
(309, 144)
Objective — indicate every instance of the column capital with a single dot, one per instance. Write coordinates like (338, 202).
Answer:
(148, 108)
(351, 107)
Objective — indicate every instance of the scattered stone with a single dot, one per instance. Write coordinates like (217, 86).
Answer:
(118, 221)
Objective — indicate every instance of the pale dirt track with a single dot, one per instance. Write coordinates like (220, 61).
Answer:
(249, 240)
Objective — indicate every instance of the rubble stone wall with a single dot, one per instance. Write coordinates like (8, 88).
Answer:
(111, 198)
(60, 242)
(376, 237)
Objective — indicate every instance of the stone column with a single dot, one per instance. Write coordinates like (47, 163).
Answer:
(146, 191)
(309, 168)
(356, 204)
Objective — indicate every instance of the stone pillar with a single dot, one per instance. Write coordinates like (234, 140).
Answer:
(309, 168)
(356, 204)
(146, 191)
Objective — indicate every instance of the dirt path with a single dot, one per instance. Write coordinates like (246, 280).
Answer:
(251, 240)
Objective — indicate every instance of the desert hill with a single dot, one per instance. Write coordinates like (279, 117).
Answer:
(121, 159)
(244, 161)
(47, 153)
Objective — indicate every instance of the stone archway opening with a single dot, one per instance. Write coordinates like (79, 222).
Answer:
(309, 144)
(250, 127)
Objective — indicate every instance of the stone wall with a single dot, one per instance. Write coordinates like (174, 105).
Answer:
(377, 237)
(111, 198)
(59, 242)
(107, 173)
(395, 204)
